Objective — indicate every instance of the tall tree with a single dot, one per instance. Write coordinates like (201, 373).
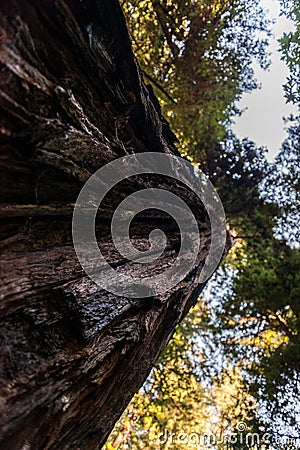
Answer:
(197, 55)
(73, 99)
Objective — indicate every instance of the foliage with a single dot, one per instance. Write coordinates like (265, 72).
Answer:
(290, 48)
(256, 319)
(236, 356)
(198, 54)
(175, 400)
(256, 322)
(282, 186)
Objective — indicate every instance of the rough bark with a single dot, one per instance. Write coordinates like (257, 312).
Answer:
(73, 99)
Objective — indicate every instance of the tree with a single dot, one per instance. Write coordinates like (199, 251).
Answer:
(197, 55)
(282, 185)
(73, 99)
(254, 318)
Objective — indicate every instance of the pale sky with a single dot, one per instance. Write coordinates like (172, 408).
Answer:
(262, 122)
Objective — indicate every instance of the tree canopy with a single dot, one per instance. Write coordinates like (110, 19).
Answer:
(197, 55)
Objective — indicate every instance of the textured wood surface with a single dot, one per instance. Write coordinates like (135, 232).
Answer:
(73, 99)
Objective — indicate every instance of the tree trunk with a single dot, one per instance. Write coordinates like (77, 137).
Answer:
(72, 100)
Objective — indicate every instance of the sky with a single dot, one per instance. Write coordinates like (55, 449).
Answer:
(262, 121)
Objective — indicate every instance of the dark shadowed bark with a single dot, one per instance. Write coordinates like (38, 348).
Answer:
(73, 99)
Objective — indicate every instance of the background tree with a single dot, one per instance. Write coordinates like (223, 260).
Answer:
(197, 55)
(72, 100)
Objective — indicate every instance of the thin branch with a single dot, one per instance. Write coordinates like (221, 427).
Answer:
(156, 84)
(157, 8)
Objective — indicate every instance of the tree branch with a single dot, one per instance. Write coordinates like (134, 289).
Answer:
(156, 84)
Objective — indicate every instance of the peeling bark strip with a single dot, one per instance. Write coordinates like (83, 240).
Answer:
(73, 99)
